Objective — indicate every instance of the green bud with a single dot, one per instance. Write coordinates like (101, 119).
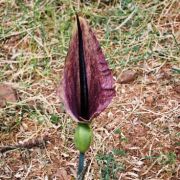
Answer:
(83, 137)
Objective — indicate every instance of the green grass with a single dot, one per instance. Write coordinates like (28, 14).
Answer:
(164, 158)
(109, 166)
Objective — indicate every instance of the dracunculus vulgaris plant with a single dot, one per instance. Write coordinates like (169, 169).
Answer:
(87, 86)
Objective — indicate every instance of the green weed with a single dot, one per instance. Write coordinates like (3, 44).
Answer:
(109, 166)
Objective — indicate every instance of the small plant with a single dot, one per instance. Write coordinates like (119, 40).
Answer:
(54, 119)
(119, 152)
(122, 137)
(110, 167)
(170, 158)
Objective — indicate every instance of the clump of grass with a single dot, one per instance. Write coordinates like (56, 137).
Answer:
(119, 152)
(109, 166)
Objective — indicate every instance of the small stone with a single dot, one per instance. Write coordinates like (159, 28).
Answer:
(127, 77)
(150, 100)
(7, 94)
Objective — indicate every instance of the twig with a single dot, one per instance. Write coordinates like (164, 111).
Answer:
(39, 142)
(78, 5)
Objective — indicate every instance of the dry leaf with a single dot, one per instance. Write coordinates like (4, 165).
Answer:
(164, 74)
(177, 89)
(62, 174)
(127, 77)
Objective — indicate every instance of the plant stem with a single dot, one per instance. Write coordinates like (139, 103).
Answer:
(81, 164)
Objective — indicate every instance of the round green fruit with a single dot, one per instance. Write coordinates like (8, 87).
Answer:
(83, 137)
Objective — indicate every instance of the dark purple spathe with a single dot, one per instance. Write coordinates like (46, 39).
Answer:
(99, 77)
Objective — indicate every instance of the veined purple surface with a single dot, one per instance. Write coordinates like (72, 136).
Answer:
(99, 77)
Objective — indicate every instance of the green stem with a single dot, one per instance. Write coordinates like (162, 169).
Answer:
(81, 164)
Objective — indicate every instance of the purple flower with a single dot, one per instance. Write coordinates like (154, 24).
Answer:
(87, 87)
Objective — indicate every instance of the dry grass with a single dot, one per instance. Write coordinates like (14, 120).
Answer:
(138, 136)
